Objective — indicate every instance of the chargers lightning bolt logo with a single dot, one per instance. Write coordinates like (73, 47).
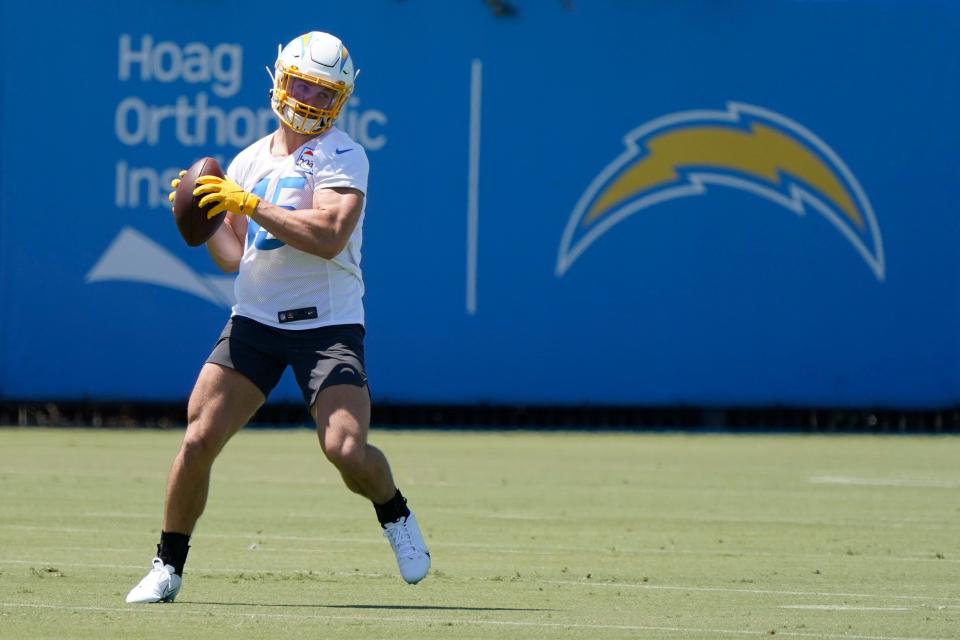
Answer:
(745, 147)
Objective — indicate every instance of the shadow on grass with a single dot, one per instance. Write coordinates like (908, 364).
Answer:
(423, 607)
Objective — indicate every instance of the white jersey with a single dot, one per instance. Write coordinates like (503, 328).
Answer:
(284, 287)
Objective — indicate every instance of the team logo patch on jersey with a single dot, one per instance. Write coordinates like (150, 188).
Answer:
(747, 148)
(305, 159)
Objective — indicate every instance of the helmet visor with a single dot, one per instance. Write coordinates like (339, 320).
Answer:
(310, 94)
(305, 102)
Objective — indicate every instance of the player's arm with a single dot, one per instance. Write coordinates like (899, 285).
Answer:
(226, 245)
(323, 230)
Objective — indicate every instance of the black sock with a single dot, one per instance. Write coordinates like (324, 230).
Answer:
(393, 510)
(173, 550)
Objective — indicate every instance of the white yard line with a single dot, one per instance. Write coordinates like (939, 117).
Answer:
(119, 514)
(777, 592)
(893, 523)
(144, 566)
(885, 482)
(473, 231)
(580, 583)
(842, 607)
(534, 550)
(204, 610)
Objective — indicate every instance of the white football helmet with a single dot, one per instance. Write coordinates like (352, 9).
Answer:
(312, 80)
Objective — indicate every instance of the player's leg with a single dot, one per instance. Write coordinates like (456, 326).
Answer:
(231, 386)
(342, 415)
(221, 403)
(329, 366)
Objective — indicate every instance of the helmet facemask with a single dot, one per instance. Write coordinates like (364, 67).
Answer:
(307, 103)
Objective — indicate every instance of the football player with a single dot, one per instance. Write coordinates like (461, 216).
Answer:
(295, 201)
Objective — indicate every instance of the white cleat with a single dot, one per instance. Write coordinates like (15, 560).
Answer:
(407, 542)
(160, 585)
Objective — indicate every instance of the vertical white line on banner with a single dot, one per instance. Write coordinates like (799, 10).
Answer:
(473, 184)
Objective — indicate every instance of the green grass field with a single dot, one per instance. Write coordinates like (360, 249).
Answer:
(532, 536)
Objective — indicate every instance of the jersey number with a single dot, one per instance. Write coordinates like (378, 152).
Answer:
(261, 240)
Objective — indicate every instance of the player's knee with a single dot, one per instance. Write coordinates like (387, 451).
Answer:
(198, 448)
(346, 454)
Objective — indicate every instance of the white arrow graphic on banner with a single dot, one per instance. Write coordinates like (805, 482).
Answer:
(133, 257)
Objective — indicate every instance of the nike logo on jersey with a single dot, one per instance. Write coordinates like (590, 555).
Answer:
(340, 152)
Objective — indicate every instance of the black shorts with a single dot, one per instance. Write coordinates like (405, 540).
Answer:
(320, 357)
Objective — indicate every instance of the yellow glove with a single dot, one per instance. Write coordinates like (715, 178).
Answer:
(226, 194)
(174, 184)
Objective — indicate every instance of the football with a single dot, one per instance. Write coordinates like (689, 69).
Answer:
(191, 219)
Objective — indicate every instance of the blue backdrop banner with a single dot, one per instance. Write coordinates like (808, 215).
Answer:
(658, 203)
